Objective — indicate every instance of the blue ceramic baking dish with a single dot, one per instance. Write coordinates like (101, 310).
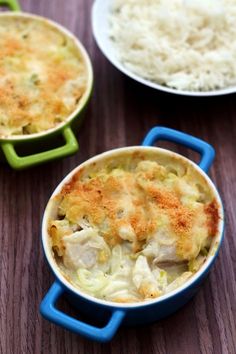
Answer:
(111, 314)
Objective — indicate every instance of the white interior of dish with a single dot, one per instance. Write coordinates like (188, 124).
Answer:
(100, 25)
(50, 211)
(88, 64)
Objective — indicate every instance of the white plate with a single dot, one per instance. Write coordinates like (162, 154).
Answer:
(100, 25)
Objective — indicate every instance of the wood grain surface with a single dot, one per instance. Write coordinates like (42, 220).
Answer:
(120, 113)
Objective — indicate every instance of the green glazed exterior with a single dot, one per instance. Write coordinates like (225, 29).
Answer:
(12, 4)
(45, 142)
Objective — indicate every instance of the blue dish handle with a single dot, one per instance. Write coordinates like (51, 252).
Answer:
(50, 312)
(206, 151)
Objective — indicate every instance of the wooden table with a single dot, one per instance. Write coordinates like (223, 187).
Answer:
(120, 113)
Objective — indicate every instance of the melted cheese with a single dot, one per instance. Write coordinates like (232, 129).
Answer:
(42, 76)
(154, 217)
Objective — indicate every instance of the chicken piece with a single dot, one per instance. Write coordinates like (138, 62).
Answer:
(161, 248)
(84, 249)
(144, 279)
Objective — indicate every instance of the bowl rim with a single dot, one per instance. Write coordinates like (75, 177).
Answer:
(96, 28)
(191, 281)
(88, 64)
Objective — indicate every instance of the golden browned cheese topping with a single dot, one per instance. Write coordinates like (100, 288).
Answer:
(42, 76)
(212, 212)
(135, 205)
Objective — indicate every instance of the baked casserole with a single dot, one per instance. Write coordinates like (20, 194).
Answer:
(133, 226)
(43, 75)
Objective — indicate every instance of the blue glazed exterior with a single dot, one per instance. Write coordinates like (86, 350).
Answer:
(113, 316)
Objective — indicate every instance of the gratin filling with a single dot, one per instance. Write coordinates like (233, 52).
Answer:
(42, 76)
(128, 234)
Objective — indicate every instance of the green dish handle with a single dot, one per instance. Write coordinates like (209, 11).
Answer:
(19, 163)
(12, 4)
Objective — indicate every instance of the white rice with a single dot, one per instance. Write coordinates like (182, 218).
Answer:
(183, 44)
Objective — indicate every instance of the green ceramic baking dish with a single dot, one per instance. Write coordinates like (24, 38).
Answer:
(23, 151)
